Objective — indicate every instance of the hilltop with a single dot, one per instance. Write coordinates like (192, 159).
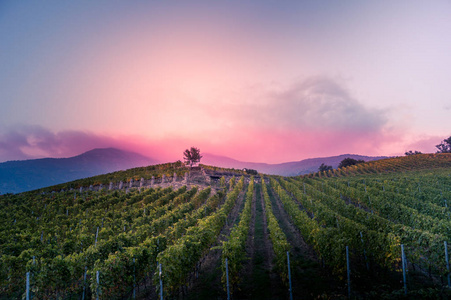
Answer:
(206, 175)
(392, 165)
(27, 175)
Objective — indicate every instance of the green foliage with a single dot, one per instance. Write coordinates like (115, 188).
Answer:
(251, 171)
(126, 176)
(192, 156)
(392, 165)
(234, 248)
(179, 259)
(349, 162)
(444, 146)
(410, 152)
(222, 182)
(324, 168)
(278, 238)
(371, 207)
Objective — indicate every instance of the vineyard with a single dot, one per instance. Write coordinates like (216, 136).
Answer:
(371, 231)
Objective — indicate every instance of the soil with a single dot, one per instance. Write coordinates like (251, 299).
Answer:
(310, 279)
(260, 281)
(208, 284)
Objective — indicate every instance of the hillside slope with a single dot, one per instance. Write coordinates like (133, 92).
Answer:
(113, 235)
(392, 165)
(284, 169)
(21, 176)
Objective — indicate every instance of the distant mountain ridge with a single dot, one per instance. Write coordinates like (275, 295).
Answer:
(26, 175)
(284, 169)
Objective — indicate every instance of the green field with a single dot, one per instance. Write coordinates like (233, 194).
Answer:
(84, 239)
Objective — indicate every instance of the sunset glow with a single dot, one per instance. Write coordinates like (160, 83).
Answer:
(253, 80)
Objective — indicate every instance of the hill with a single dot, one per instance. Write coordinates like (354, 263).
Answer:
(295, 168)
(26, 175)
(392, 165)
(130, 232)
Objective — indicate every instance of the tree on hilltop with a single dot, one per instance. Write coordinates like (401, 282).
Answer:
(349, 162)
(410, 152)
(250, 171)
(444, 146)
(324, 167)
(192, 156)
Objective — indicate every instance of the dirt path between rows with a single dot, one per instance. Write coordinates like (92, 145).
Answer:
(259, 279)
(208, 284)
(245, 291)
(278, 290)
(309, 279)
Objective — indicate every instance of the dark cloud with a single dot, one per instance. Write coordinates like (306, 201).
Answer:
(10, 145)
(307, 115)
(30, 142)
(27, 142)
(314, 104)
(323, 104)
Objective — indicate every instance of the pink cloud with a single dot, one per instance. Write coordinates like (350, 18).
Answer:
(26, 141)
(311, 118)
(30, 142)
(246, 144)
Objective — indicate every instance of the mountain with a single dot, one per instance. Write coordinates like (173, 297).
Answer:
(285, 169)
(26, 175)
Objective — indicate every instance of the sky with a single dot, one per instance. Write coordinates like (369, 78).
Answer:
(263, 81)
